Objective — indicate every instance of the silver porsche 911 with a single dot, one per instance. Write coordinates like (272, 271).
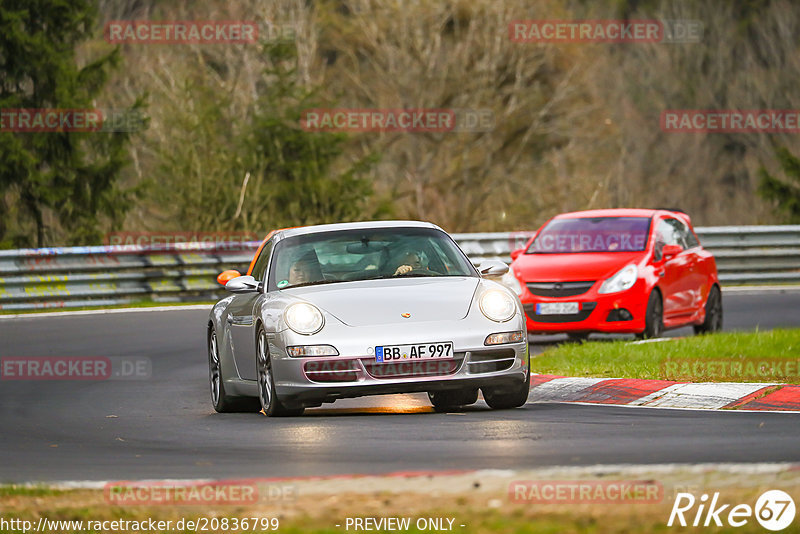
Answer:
(345, 310)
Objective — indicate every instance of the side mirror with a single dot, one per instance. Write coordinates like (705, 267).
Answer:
(492, 268)
(224, 276)
(242, 284)
(515, 253)
(670, 251)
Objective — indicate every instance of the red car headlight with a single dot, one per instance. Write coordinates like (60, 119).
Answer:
(622, 280)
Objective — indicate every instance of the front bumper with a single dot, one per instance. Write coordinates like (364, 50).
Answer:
(311, 381)
(470, 372)
(598, 312)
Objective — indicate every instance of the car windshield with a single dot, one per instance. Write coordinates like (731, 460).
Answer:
(592, 234)
(368, 254)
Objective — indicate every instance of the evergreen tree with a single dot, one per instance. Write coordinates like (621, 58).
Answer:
(55, 187)
(296, 168)
(785, 194)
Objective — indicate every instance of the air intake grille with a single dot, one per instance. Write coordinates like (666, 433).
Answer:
(559, 289)
(413, 369)
(491, 360)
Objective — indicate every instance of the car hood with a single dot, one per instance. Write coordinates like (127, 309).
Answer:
(377, 302)
(572, 267)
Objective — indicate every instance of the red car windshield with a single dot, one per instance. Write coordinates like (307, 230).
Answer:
(594, 234)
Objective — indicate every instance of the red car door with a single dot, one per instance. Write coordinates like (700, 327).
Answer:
(700, 266)
(695, 285)
(674, 270)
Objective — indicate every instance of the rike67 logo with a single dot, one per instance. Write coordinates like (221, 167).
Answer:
(774, 510)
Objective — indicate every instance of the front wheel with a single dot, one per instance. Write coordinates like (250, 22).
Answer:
(509, 398)
(654, 318)
(713, 322)
(222, 402)
(447, 401)
(271, 406)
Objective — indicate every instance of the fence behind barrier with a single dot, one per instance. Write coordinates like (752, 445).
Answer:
(105, 275)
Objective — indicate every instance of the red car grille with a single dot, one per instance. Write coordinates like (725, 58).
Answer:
(559, 289)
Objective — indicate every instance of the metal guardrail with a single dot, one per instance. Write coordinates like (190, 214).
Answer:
(105, 275)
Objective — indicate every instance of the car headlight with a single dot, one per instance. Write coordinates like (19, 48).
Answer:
(303, 318)
(501, 338)
(622, 280)
(511, 282)
(311, 350)
(498, 305)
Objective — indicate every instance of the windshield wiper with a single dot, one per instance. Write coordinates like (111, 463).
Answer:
(317, 283)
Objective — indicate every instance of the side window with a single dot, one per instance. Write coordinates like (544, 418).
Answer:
(261, 263)
(665, 235)
(680, 232)
(691, 239)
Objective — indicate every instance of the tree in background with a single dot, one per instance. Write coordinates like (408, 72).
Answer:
(55, 187)
(784, 194)
(236, 165)
(296, 170)
(576, 124)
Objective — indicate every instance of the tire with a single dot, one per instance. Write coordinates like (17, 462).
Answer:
(713, 321)
(513, 398)
(448, 401)
(271, 406)
(222, 402)
(654, 318)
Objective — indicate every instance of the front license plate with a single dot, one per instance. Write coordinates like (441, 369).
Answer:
(557, 308)
(405, 353)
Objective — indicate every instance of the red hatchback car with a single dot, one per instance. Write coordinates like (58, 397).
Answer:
(617, 271)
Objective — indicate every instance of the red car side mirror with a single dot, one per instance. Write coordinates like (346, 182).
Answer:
(516, 253)
(670, 251)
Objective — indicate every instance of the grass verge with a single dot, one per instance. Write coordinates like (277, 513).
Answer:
(771, 356)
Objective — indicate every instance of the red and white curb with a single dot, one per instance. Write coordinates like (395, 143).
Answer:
(665, 393)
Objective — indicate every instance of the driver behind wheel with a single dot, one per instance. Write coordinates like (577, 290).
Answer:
(410, 261)
(305, 270)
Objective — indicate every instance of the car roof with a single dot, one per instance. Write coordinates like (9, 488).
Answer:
(364, 225)
(615, 212)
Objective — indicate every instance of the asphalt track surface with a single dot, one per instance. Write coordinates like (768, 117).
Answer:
(164, 426)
